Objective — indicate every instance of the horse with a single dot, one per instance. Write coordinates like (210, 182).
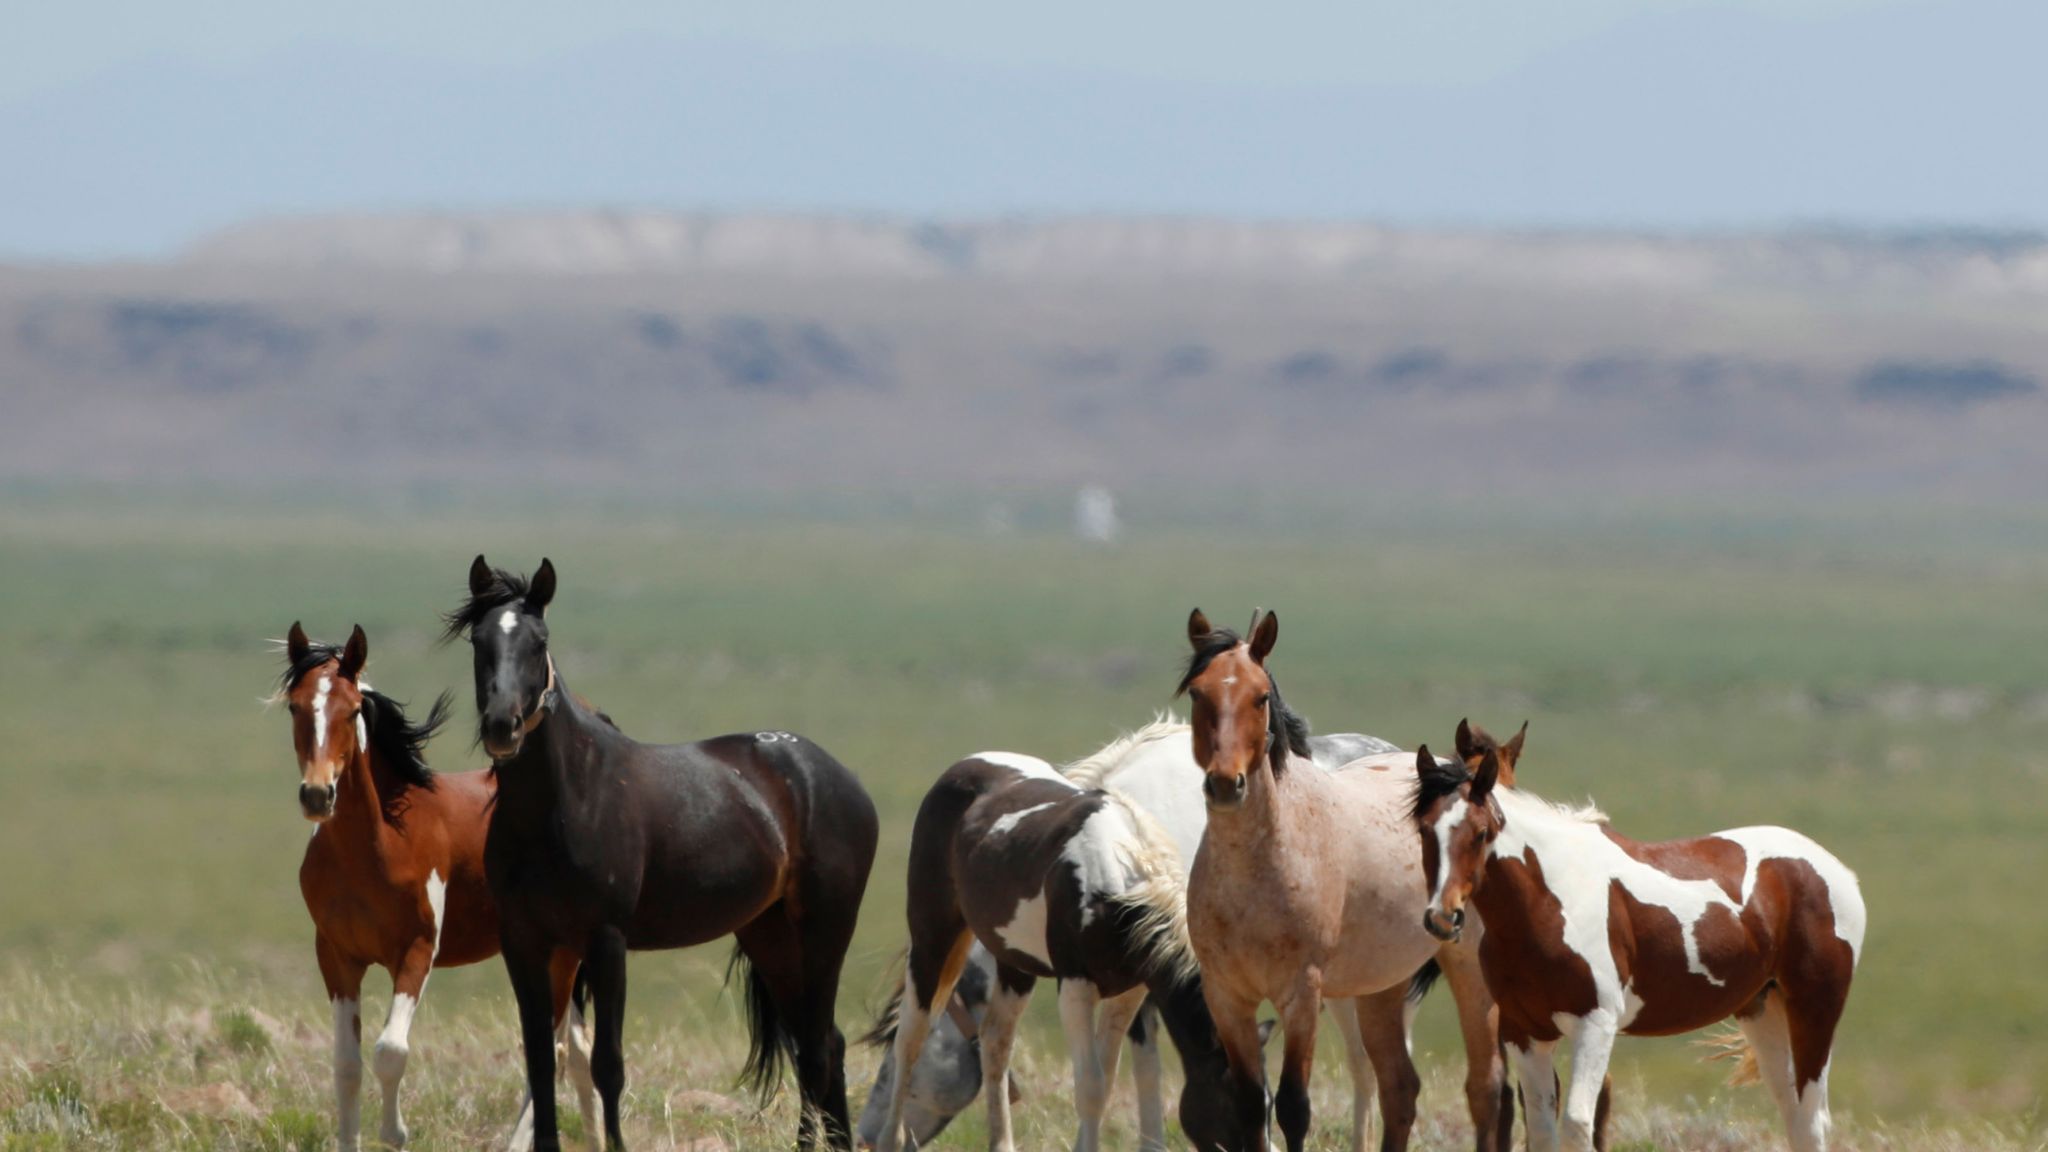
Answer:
(1590, 934)
(1054, 881)
(1155, 767)
(394, 873)
(1145, 767)
(1306, 887)
(599, 844)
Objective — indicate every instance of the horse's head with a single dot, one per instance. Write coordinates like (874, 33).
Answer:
(322, 688)
(1459, 817)
(1473, 742)
(1236, 716)
(505, 618)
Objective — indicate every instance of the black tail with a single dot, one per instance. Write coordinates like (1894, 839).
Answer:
(771, 1044)
(579, 992)
(1424, 979)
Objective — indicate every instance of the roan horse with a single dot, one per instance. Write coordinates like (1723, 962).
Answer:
(394, 873)
(600, 844)
(1589, 934)
(1150, 767)
(1306, 886)
(1061, 882)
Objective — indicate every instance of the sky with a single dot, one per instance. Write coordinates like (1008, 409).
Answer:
(133, 129)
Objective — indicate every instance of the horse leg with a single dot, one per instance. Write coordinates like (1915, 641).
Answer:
(1811, 1014)
(344, 980)
(929, 973)
(1078, 1000)
(1769, 1035)
(526, 962)
(1592, 1047)
(1479, 1024)
(1344, 1014)
(1299, 1016)
(573, 1032)
(1145, 1070)
(394, 1044)
(1110, 1025)
(604, 964)
(998, 1039)
(1383, 1026)
(1536, 1072)
(1237, 1030)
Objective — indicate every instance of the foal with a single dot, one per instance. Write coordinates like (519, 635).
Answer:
(599, 844)
(394, 873)
(1590, 934)
(1055, 881)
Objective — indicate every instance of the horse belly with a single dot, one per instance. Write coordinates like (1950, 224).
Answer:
(700, 897)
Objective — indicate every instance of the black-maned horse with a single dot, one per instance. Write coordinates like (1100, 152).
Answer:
(600, 844)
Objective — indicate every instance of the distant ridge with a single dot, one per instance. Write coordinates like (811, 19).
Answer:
(650, 242)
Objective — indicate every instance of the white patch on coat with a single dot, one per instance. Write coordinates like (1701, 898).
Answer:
(320, 692)
(1009, 820)
(1030, 767)
(437, 902)
(1099, 852)
(1845, 896)
(1580, 864)
(1025, 932)
(509, 620)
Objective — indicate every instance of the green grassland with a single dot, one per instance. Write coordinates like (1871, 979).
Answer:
(1881, 686)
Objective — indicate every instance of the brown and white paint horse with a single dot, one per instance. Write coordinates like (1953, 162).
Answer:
(1589, 934)
(1055, 881)
(1306, 886)
(394, 874)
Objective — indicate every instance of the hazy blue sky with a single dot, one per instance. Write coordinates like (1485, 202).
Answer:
(1270, 42)
(131, 128)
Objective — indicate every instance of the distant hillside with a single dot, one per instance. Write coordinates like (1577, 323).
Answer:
(658, 243)
(660, 354)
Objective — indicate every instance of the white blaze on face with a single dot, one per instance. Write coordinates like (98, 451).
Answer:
(320, 693)
(509, 620)
(1446, 827)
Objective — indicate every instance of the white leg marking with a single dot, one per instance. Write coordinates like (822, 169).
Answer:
(1364, 1085)
(1536, 1073)
(1810, 1128)
(388, 1061)
(1592, 1047)
(575, 1036)
(1078, 999)
(912, 1022)
(1145, 1069)
(348, 1076)
(998, 1038)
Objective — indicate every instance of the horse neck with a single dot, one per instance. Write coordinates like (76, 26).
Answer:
(1532, 825)
(1259, 825)
(1188, 1024)
(359, 801)
(549, 772)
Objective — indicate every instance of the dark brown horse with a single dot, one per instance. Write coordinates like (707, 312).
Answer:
(600, 844)
(1589, 934)
(394, 874)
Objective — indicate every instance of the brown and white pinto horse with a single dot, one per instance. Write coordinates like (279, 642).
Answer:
(394, 873)
(1306, 887)
(1589, 934)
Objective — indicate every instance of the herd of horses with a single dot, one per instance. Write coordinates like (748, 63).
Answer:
(1174, 882)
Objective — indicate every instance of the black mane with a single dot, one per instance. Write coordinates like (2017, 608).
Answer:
(506, 588)
(1288, 731)
(1435, 782)
(399, 742)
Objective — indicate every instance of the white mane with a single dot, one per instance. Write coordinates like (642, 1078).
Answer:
(1160, 892)
(1091, 770)
(1515, 801)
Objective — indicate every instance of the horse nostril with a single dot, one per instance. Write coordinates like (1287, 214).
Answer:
(1239, 784)
(316, 799)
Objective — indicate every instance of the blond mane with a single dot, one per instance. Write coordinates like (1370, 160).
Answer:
(1160, 895)
(1091, 770)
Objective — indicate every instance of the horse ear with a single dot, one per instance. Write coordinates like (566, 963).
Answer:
(1513, 747)
(1198, 628)
(480, 576)
(355, 655)
(1264, 636)
(295, 643)
(1484, 780)
(1467, 748)
(542, 589)
(1424, 760)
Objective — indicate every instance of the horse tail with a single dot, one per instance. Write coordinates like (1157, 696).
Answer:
(1424, 979)
(770, 1042)
(579, 992)
(882, 1032)
(1732, 1044)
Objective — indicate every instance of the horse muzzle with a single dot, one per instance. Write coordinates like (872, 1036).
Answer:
(316, 801)
(1224, 792)
(1447, 928)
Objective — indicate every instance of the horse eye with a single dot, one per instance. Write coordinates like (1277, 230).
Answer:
(1264, 699)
